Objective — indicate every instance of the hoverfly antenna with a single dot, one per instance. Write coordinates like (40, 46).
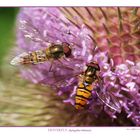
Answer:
(67, 49)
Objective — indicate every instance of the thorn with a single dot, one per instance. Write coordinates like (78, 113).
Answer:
(65, 10)
(120, 20)
(91, 37)
(89, 12)
(106, 29)
(109, 42)
(84, 19)
(69, 16)
(137, 42)
(136, 32)
(134, 11)
(104, 14)
(90, 28)
(119, 13)
(137, 25)
(73, 22)
(108, 32)
(79, 14)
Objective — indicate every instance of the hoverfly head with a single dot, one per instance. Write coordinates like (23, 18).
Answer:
(94, 65)
(67, 49)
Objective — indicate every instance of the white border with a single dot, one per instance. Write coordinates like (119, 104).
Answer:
(70, 133)
(69, 2)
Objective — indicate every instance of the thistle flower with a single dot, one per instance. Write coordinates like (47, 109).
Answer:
(109, 36)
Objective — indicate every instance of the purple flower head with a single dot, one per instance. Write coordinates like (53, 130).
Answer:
(50, 26)
(118, 91)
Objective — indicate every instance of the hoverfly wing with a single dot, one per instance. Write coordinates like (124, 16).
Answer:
(59, 80)
(110, 100)
(19, 59)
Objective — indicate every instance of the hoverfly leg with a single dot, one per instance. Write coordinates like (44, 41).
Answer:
(51, 66)
(65, 59)
(64, 65)
(60, 61)
(80, 77)
(90, 98)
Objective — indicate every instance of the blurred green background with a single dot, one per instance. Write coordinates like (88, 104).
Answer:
(21, 102)
(7, 22)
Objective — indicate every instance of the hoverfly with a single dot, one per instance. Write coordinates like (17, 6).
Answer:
(89, 81)
(53, 52)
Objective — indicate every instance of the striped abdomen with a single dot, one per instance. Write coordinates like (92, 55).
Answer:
(35, 57)
(83, 95)
(40, 56)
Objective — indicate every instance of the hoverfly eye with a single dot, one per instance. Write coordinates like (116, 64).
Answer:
(66, 49)
(94, 65)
